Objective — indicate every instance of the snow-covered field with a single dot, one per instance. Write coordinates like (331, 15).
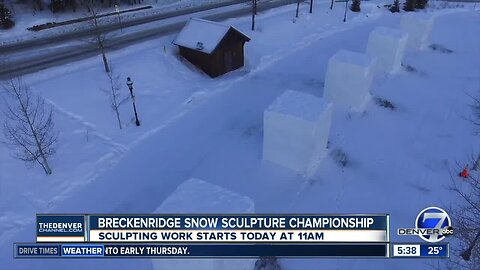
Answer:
(195, 126)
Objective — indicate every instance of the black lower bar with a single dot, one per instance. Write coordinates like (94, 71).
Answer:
(92, 250)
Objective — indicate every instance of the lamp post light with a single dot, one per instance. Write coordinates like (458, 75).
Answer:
(130, 87)
(118, 14)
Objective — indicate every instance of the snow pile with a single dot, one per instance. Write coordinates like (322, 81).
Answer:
(349, 78)
(418, 27)
(196, 196)
(296, 130)
(388, 46)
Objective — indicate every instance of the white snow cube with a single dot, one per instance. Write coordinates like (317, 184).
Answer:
(349, 78)
(418, 27)
(388, 46)
(196, 196)
(296, 130)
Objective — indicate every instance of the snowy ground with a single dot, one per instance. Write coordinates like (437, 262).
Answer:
(194, 126)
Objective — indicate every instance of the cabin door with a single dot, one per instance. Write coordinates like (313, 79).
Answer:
(228, 61)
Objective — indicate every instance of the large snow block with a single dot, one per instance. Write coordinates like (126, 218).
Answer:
(196, 196)
(349, 78)
(388, 46)
(418, 27)
(296, 130)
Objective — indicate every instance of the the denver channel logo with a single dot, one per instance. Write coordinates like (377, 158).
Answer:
(432, 225)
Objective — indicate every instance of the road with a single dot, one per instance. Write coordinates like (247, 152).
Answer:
(31, 57)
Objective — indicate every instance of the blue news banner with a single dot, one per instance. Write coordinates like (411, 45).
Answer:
(196, 250)
(140, 236)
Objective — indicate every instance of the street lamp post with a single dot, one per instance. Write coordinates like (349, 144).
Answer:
(130, 87)
(346, 8)
(118, 14)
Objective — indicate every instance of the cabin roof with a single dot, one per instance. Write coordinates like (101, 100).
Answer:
(203, 35)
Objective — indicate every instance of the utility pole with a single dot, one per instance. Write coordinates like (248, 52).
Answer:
(254, 10)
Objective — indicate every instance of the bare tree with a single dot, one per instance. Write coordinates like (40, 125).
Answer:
(28, 127)
(466, 219)
(475, 106)
(115, 96)
(99, 37)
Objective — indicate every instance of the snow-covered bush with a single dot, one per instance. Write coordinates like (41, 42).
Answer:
(384, 103)
(440, 48)
(340, 157)
(410, 5)
(355, 7)
(395, 7)
(6, 21)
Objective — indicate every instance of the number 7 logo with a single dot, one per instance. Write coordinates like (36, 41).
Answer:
(433, 218)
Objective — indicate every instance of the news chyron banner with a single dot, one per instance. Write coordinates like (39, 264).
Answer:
(138, 236)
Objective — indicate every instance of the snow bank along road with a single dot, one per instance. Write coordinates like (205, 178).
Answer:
(27, 57)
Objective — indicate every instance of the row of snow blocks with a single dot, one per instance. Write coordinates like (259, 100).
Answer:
(296, 130)
(388, 46)
(349, 79)
(196, 196)
(418, 26)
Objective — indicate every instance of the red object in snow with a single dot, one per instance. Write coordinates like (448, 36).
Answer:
(464, 172)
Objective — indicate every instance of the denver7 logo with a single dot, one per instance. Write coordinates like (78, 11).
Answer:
(433, 218)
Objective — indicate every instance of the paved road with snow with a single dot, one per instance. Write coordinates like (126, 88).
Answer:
(36, 55)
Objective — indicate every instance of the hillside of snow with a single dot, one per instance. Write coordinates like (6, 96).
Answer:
(399, 161)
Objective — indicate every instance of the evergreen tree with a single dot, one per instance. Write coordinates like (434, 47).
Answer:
(355, 7)
(5, 17)
(410, 5)
(395, 7)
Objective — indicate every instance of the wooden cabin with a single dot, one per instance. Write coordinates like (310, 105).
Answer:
(213, 47)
